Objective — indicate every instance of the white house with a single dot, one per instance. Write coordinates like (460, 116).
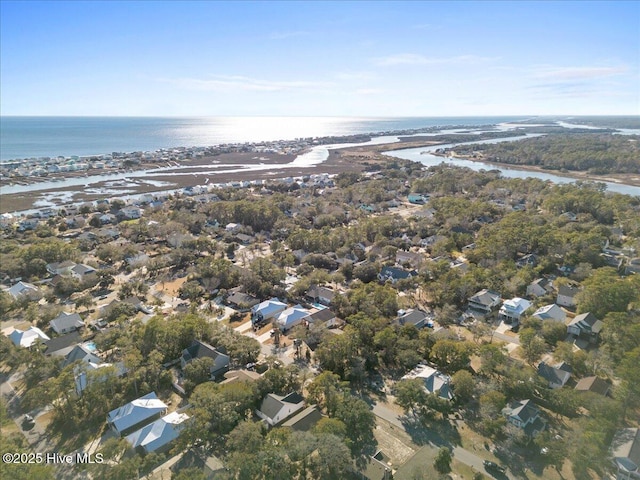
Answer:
(157, 436)
(28, 337)
(550, 312)
(276, 409)
(525, 415)
(566, 296)
(267, 310)
(291, 317)
(512, 310)
(434, 381)
(133, 415)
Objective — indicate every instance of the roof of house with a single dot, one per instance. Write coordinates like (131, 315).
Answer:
(625, 449)
(485, 297)
(322, 315)
(515, 305)
(239, 298)
(551, 311)
(291, 315)
(233, 376)
(28, 337)
(568, 290)
(65, 321)
(593, 384)
(22, 288)
(324, 292)
(269, 307)
(81, 353)
(63, 344)
(587, 321)
(200, 349)
(159, 433)
(412, 317)
(305, 420)
(396, 273)
(553, 374)
(273, 403)
(542, 282)
(434, 381)
(136, 411)
(523, 410)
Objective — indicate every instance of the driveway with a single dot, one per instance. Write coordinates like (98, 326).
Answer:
(459, 453)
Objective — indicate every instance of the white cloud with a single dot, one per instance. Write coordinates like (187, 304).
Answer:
(230, 83)
(417, 59)
(577, 73)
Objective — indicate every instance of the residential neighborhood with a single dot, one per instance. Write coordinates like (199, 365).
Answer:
(280, 330)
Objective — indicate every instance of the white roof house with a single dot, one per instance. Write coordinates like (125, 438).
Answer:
(23, 288)
(550, 312)
(267, 309)
(159, 434)
(512, 309)
(28, 337)
(291, 317)
(136, 413)
(434, 381)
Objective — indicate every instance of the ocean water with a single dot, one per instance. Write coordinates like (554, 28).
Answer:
(27, 137)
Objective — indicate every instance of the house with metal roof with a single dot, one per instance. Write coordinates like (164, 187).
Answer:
(266, 310)
(291, 317)
(135, 414)
(157, 436)
(28, 337)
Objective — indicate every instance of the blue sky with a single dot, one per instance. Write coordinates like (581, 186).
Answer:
(319, 58)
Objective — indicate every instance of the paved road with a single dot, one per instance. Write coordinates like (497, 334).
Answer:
(460, 454)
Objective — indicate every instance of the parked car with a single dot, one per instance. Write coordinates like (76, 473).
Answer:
(493, 466)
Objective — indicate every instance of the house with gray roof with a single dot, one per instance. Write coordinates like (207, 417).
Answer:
(550, 312)
(66, 322)
(135, 414)
(539, 287)
(275, 409)
(566, 296)
(24, 289)
(586, 327)
(555, 376)
(62, 345)
(525, 414)
(434, 382)
(417, 318)
(304, 420)
(200, 349)
(484, 301)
